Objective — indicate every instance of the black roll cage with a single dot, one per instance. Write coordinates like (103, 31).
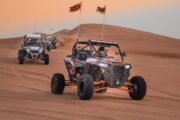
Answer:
(92, 43)
(32, 39)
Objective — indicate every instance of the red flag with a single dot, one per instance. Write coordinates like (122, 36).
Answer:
(75, 7)
(101, 9)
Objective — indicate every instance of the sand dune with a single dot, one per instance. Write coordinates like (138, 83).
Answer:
(25, 89)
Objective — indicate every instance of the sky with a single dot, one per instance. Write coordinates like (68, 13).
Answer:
(18, 17)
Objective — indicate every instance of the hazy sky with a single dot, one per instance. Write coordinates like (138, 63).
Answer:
(24, 16)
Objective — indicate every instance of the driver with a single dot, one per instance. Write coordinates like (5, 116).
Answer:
(29, 41)
(37, 42)
(102, 52)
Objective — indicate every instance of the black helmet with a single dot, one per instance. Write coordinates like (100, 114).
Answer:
(101, 48)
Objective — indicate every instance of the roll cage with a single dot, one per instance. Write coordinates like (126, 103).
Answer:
(92, 43)
(32, 40)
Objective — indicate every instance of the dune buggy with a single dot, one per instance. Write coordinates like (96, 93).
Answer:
(32, 49)
(53, 42)
(93, 69)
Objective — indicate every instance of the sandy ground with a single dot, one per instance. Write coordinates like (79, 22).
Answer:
(25, 89)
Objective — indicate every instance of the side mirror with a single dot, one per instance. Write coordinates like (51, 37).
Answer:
(123, 54)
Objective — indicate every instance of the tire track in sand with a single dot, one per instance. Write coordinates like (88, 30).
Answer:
(25, 79)
(6, 72)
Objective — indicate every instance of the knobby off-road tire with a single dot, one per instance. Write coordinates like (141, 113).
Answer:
(46, 59)
(21, 57)
(57, 83)
(139, 88)
(48, 48)
(19, 54)
(85, 87)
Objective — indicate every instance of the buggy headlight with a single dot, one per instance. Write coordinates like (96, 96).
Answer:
(127, 66)
(103, 65)
(28, 50)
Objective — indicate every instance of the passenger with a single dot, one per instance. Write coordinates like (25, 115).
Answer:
(102, 52)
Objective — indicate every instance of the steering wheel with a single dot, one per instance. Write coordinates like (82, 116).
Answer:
(82, 56)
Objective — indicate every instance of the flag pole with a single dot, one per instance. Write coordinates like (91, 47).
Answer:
(35, 24)
(103, 25)
(35, 21)
(78, 32)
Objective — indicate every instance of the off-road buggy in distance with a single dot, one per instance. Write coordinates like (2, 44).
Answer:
(32, 49)
(53, 42)
(93, 70)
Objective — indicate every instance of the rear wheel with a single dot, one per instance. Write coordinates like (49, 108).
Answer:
(19, 54)
(85, 87)
(57, 83)
(48, 48)
(139, 88)
(46, 59)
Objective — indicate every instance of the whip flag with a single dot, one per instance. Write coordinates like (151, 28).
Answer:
(75, 8)
(102, 10)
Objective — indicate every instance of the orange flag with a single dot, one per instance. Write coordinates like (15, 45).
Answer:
(101, 9)
(76, 7)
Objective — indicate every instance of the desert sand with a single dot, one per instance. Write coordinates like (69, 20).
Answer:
(25, 89)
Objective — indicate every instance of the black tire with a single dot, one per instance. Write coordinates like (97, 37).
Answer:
(57, 83)
(139, 88)
(21, 57)
(19, 52)
(48, 48)
(54, 46)
(85, 87)
(46, 59)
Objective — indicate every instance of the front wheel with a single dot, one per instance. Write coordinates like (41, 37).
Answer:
(46, 59)
(48, 48)
(138, 88)
(85, 87)
(57, 83)
(21, 57)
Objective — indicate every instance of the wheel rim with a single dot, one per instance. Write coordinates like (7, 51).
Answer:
(135, 88)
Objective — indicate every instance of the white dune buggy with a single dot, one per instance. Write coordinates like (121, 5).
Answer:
(93, 70)
(32, 49)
